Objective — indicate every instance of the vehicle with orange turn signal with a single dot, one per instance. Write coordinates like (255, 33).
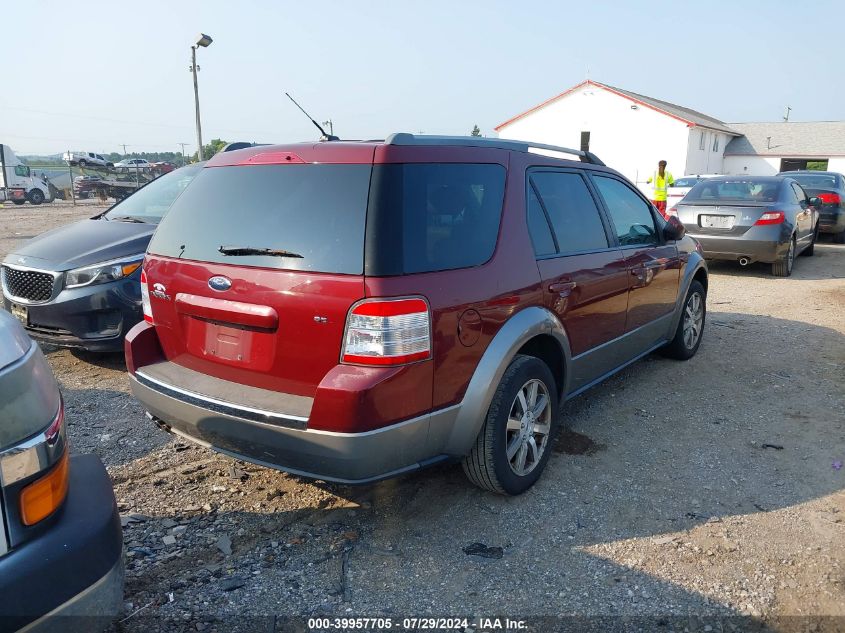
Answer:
(61, 544)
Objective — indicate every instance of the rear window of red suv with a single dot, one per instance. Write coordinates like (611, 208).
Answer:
(390, 219)
(312, 216)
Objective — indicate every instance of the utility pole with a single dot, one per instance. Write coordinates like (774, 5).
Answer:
(70, 173)
(786, 116)
(204, 41)
(196, 101)
(123, 145)
(182, 145)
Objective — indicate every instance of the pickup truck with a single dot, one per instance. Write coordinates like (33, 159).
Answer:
(86, 159)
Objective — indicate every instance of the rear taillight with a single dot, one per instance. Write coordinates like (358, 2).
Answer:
(388, 332)
(830, 198)
(145, 298)
(771, 217)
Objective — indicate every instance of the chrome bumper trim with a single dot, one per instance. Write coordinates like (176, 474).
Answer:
(272, 418)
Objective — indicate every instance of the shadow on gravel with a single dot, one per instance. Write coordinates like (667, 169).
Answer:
(815, 267)
(111, 424)
(751, 425)
(106, 360)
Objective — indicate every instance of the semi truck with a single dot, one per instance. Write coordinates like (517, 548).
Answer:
(15, 176)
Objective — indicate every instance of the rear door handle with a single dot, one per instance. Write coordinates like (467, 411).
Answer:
(562, 288)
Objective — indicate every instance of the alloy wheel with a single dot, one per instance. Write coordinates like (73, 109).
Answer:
(693, 320)
(528, 427)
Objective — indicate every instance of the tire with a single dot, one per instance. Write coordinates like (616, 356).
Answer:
(811, 249)
(36, 196)
(19, 202)
(82, 163)
(783, 267)
(487, 465)
(690, 331)
(839, 238)
(109, 165)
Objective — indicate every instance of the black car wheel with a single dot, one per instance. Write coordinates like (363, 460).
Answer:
(36, 196)
(839, 238)
(783, 267)
(515, 442)
(82, 163)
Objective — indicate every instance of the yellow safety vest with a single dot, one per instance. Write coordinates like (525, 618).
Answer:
(661, 184)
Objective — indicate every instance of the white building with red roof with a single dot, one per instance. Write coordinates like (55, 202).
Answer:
(628, 131)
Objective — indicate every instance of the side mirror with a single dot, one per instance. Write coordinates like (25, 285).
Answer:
(815, 202)
(674, 229)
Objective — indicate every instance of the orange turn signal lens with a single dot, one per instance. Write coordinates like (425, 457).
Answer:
(44, 496)
(128, 269)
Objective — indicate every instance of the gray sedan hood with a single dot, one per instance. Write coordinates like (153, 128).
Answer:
(83, 243)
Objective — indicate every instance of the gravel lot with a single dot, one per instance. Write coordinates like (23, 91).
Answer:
(702, 489)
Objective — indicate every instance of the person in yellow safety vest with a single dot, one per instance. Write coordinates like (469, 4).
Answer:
(662, 180)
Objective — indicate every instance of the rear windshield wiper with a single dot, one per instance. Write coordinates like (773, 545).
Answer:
(127, 218)
(251, 250)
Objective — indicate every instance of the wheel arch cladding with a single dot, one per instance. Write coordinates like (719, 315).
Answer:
(701, 277)
(515, 336)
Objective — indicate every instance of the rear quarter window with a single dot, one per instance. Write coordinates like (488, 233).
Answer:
(426, 217)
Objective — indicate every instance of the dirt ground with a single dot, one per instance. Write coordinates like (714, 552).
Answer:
(681, 495)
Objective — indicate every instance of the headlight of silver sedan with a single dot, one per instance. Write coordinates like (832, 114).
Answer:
(103, 272)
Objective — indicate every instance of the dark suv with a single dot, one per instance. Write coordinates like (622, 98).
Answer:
(355, 310)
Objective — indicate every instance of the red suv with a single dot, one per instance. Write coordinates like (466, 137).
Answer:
(351, 311)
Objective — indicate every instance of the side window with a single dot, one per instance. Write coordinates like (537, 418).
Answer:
(631, 215)
(21, 170)
(451, 214)
(701, 140)
(799, 193)
(538, 226)
(571, 210)
(715, 142)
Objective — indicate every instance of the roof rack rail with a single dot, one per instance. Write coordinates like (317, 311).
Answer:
(404, 138)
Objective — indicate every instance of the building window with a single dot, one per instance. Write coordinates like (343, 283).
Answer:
(701, 144)
(715, 142)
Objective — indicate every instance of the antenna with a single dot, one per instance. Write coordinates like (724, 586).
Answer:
(324, 137)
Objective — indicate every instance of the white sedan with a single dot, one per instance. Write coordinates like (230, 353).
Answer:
(133, 163)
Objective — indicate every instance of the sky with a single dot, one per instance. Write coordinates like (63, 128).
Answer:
(95, 75)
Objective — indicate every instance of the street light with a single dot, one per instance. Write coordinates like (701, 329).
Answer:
(204, 41)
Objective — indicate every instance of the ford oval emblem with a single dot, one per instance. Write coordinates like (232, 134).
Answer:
(219, 283)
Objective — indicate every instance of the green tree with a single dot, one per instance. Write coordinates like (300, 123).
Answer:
(475, 131)
(212, 148)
